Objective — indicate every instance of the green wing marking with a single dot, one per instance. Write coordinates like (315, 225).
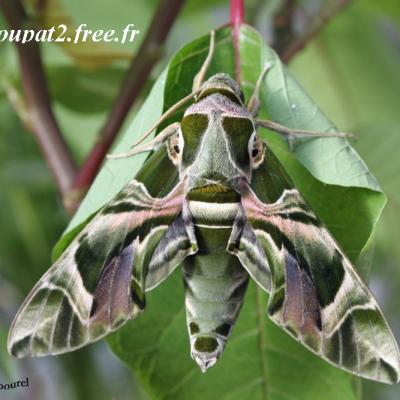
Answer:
(98, 283)
(315, 293)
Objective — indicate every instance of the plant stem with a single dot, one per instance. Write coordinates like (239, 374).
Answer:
(321, 20)
(283, 26)
(254, 11)
(41, 118)
(237, 19)
(134, 81)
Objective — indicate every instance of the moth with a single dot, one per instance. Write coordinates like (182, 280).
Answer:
(232, 215)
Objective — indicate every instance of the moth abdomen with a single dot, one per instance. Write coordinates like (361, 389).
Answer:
(215, 281)
(215, 285)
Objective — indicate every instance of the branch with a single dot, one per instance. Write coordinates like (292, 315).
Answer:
(283, 25)
(134, 81)
(253, 12)
(321, 20)
(41, 118)
(237, 19)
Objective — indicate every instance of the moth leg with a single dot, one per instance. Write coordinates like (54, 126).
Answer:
(199, 78)
(153, 145)
(253, 104)
(244, 245)
(187, 218)
(178, 242)
(290, 133)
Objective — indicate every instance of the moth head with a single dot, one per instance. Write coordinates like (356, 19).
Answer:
(224, 84)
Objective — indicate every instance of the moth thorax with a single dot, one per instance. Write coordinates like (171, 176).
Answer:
(224, 84)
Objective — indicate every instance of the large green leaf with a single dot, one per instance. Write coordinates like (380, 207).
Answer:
(260, 361)
(357, 59)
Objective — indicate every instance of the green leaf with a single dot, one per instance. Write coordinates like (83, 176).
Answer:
(260, 361)
(332, 160)
(360, 89)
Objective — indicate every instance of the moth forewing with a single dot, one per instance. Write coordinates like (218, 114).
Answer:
(316, 294)
(99, 281)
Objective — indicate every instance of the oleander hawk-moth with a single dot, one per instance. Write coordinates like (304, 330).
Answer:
(232, 215)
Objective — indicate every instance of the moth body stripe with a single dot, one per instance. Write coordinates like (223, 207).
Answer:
(213, 211)
(210, 226)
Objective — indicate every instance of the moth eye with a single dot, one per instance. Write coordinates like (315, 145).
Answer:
(258, 152)
(174, 149)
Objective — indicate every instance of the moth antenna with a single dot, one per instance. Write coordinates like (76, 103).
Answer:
(167, 114)
(154, 144)
(291, 133)
(254, 102)
(200, 76)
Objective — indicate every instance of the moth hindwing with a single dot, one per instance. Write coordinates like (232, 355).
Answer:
(226, 213)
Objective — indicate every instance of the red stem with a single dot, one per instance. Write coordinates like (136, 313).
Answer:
(237, 19)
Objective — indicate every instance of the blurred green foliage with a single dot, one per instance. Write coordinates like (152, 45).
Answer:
(352, 72)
